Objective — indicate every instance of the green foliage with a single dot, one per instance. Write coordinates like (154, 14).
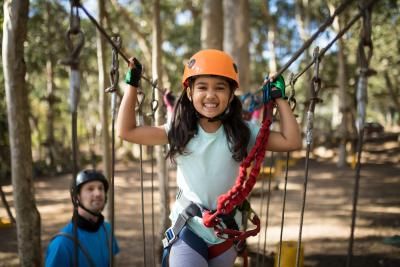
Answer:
(181, 25)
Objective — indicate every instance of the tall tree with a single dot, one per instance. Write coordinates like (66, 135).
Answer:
(212, 24)
(160, 118)
(237, 37)
(27, 214)
(50, 93)
(344, 96)
(303, 18)
(272, 33)
(103, 97)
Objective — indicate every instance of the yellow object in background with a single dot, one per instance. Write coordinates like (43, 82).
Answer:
(5, 223)
(288, 254)
(277, 170)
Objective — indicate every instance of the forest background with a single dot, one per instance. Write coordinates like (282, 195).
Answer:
(261, 35)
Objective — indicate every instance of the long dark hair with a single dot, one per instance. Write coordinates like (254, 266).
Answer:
(184, 126)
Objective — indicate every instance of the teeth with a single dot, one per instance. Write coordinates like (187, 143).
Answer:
(210, 105)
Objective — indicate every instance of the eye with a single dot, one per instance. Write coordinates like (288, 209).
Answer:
(201, 87)
(221, 88)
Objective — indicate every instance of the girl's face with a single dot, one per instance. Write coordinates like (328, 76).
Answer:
(210, 95)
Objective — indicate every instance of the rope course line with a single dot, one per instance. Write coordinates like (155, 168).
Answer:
(364, 58)
(267, 211)
(314, 89)
(153, 106)
(292, 103)
(110, 41)
(261, 211)
(75, 40)
(140, 117)
(114, 78)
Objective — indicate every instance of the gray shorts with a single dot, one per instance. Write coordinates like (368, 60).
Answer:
(182, 255)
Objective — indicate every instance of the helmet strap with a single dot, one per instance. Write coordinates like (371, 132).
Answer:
(78, 203)
(97, 214)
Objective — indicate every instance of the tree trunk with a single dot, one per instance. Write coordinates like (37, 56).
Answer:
(212, 25)
(50, 97)
(394, 95)
(138, 36)
(160, 119)
(103, 99)
(272, 32)
(27, 215)
(237, 37)
(344, 107)
(303, 22)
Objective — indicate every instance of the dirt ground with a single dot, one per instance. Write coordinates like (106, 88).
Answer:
(327, 217)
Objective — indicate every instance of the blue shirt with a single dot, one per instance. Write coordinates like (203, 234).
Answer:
(60, 251)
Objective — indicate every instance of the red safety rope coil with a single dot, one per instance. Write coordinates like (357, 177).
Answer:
(243, 185)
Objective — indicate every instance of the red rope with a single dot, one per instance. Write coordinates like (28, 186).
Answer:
(243, 185)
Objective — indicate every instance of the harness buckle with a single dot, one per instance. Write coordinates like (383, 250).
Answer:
(170, 237)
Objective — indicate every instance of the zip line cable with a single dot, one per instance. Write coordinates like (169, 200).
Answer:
(314, 89)
(365, 49)
(308, 43)
(74, 48)
(114, 78)
(292, 103)
(109, 40)
(267, 211)
(261, 211)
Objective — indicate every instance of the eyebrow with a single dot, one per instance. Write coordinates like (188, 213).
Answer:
(218, 83)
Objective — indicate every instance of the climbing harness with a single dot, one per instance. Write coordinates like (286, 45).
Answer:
(179, 230)
(365, 49)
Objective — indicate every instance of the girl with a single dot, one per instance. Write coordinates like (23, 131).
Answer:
(207, 140)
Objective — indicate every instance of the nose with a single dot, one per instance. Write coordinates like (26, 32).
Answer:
(210, 93)
(98, 191)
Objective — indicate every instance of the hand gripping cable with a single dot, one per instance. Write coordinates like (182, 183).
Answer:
(243, 185)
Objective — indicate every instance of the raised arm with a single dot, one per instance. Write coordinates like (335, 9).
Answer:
(126, 121)
(288, 138)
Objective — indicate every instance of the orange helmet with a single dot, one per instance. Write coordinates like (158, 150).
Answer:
(210, 62)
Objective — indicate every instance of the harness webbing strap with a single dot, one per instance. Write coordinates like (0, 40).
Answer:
(197, 244)
(76, 241)
(238, 193)
(172, 233)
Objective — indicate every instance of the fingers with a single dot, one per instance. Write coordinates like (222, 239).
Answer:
(272, 76)
(133, 63)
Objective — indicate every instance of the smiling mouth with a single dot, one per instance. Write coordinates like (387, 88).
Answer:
(210, 105)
